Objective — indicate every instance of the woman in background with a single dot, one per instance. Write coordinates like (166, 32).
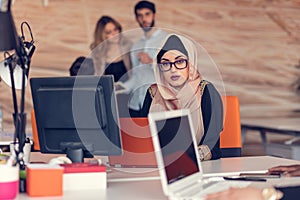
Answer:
(110, 49)
(179, 86)
(82, 66)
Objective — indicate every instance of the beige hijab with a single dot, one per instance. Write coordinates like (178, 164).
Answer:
(189, 96)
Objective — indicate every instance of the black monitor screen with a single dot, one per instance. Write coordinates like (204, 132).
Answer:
(76, 113)
(176, 142)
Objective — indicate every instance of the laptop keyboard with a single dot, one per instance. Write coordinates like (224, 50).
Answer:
(194, 189)
(198, 191)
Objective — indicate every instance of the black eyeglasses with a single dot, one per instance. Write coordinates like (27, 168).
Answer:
(179, 64)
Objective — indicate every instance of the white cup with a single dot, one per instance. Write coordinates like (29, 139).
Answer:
(26, 151)
(9, 181)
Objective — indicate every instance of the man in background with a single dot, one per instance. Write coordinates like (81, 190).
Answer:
(142, 53)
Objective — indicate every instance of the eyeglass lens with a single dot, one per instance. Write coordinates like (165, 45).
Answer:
(179, 64)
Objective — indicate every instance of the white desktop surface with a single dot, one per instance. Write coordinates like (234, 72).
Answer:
(277, 123)
(120, 188)
(236, 165)
(133, 190)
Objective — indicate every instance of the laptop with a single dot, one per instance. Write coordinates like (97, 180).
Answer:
(178, 160)
(138, 151)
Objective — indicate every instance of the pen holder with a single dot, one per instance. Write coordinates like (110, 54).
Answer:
(9, 181)
(26, 151)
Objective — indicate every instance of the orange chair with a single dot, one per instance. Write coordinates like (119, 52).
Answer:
(138, 150)
(35, 136)
(230, 138)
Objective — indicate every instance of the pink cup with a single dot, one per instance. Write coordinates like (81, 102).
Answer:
(9, 181)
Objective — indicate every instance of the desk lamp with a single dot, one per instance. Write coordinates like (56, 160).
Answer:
(9, 40)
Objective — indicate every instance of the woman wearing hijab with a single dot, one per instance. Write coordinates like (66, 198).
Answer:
(179, 86)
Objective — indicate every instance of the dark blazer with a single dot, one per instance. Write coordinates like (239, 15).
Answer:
(290, 193)
(212, 114)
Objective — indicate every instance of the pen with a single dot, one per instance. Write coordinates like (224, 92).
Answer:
(241, 178)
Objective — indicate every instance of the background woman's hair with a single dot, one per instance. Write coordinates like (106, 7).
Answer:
(82, 66)
(98, 34)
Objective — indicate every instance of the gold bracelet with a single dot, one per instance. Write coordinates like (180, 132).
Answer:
(271, 194)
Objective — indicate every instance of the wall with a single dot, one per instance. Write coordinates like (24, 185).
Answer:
(255, 44)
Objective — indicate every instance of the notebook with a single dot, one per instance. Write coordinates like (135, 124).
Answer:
(178, 160)
(137, 145)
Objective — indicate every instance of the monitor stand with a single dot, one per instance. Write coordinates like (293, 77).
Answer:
(76, 151)
(75, 155)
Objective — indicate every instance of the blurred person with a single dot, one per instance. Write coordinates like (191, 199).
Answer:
(271, 193)
(248, 193)
(82, 66)
(179, 85)
(110, 49)
(251, 193)
(142, 53)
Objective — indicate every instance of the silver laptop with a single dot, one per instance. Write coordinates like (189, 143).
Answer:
(178, 160)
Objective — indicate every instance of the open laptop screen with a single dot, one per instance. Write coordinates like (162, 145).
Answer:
(177, 147)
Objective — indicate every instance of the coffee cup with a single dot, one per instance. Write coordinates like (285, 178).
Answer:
(9, 181)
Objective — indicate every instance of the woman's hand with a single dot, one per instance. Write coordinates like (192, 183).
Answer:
(204, 152)
(120, 88)
(144, 58)
(290, 170)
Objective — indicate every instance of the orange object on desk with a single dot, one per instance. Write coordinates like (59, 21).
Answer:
(44, 180)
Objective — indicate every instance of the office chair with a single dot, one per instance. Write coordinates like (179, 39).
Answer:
(35, 136)
(230, 138)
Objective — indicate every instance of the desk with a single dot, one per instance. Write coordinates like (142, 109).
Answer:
(288, 126)
(151, 189)
(285, 126)
(236, 165)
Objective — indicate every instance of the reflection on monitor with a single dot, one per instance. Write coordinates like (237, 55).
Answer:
(77, 116)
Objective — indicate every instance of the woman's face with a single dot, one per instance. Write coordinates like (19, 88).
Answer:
(110, 30)
(175, 77)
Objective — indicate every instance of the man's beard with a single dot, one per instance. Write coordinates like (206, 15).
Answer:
(149, 28)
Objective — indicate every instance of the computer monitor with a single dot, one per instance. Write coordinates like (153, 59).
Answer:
(76, 116)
